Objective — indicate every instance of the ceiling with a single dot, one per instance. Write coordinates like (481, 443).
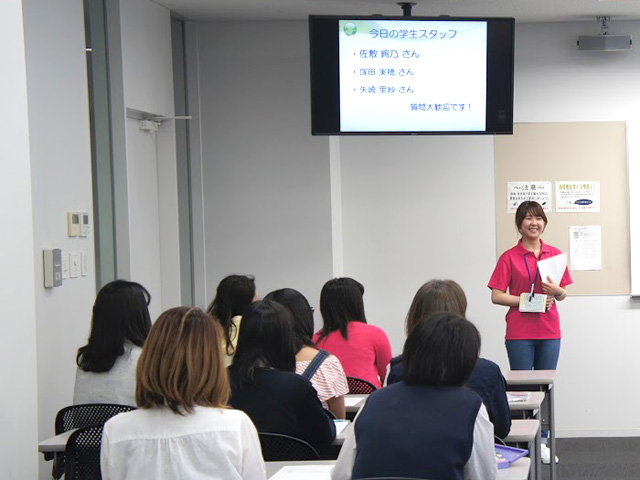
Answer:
(524, 11)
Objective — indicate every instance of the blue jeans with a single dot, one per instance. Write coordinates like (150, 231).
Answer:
(533, 354)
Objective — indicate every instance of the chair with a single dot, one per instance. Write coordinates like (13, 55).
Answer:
(277, 447)
(83, 454)
(77, 416)
(357, 386)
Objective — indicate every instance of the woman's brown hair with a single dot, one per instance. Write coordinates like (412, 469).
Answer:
(436, 296)
(181, 363)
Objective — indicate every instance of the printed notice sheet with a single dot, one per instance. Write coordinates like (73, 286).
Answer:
(518, 192)
(577, 196)
(585, 245)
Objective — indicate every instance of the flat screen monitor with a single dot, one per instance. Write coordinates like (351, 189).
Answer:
(411, 75)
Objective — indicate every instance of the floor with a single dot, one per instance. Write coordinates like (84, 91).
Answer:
(597, 458)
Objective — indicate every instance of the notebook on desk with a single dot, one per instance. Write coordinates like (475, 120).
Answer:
(340, 425)
(517, 397)
(308, 472)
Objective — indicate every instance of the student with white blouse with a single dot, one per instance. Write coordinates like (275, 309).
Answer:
(183, 428)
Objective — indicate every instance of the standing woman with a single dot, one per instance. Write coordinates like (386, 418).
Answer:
(533, 338)
(363, 350)
(233, 295)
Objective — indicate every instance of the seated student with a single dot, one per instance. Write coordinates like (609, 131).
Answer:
(486, 378)
(321, 368)
(263, 382)
(120, 323)
(363, 350)
(233, 295)
(429, 425)
(183, 428)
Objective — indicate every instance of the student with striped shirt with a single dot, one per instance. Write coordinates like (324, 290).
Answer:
(322, 369)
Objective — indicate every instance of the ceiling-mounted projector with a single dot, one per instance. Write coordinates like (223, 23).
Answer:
(604, 42)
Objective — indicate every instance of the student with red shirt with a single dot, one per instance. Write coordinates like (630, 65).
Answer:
(533, 338)
(363, 350)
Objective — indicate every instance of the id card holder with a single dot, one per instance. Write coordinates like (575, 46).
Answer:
(532, 303)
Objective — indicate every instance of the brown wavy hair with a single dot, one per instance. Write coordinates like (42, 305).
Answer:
(436, 296)
(181, 364)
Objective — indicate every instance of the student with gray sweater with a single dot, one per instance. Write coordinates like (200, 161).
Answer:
(107, 363)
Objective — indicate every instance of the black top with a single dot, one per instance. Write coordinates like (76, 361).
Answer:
(487, 381)
(286, 403)
(428, 434)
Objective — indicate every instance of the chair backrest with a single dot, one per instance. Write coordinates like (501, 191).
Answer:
(277, 447)
(86, 415)
(83, 454)
(357, 386)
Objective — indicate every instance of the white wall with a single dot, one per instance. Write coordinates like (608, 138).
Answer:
(405, 220)
(266, 179)
(554, 83)
(18, 395)
(417, 208)
(57, 320)
(61, 182)
(416, 227)
(152, 192)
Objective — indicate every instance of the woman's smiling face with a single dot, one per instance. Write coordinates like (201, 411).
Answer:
(532, 226)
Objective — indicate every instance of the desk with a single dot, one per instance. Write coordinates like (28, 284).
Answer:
(59, 442)
(530, 407)
(541, 380)
(528, 431)
(519, 470)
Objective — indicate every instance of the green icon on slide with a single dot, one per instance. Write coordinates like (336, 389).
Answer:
(350, 29)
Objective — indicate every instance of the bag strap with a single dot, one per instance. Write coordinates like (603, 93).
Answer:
(315, 364)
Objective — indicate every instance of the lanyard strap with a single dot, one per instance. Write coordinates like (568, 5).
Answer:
(526, 264)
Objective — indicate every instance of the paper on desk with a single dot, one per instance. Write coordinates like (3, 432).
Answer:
(340, 425)
(308, 472)
(353, 400)
(553, 267)
(517, 397)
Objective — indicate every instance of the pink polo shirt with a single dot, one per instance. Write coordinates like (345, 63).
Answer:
(511, 274)
(365, 354)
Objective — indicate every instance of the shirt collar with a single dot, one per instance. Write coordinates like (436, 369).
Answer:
(544, 248)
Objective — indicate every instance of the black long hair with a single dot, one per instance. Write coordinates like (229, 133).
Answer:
(120, 313)
(301, 312)
(441, 350)
(266, 340)
(340, 303)
(233, 295)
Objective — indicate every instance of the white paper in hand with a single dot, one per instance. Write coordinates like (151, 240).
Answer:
(553, 267)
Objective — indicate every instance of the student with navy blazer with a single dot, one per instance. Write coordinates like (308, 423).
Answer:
(428, 425)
